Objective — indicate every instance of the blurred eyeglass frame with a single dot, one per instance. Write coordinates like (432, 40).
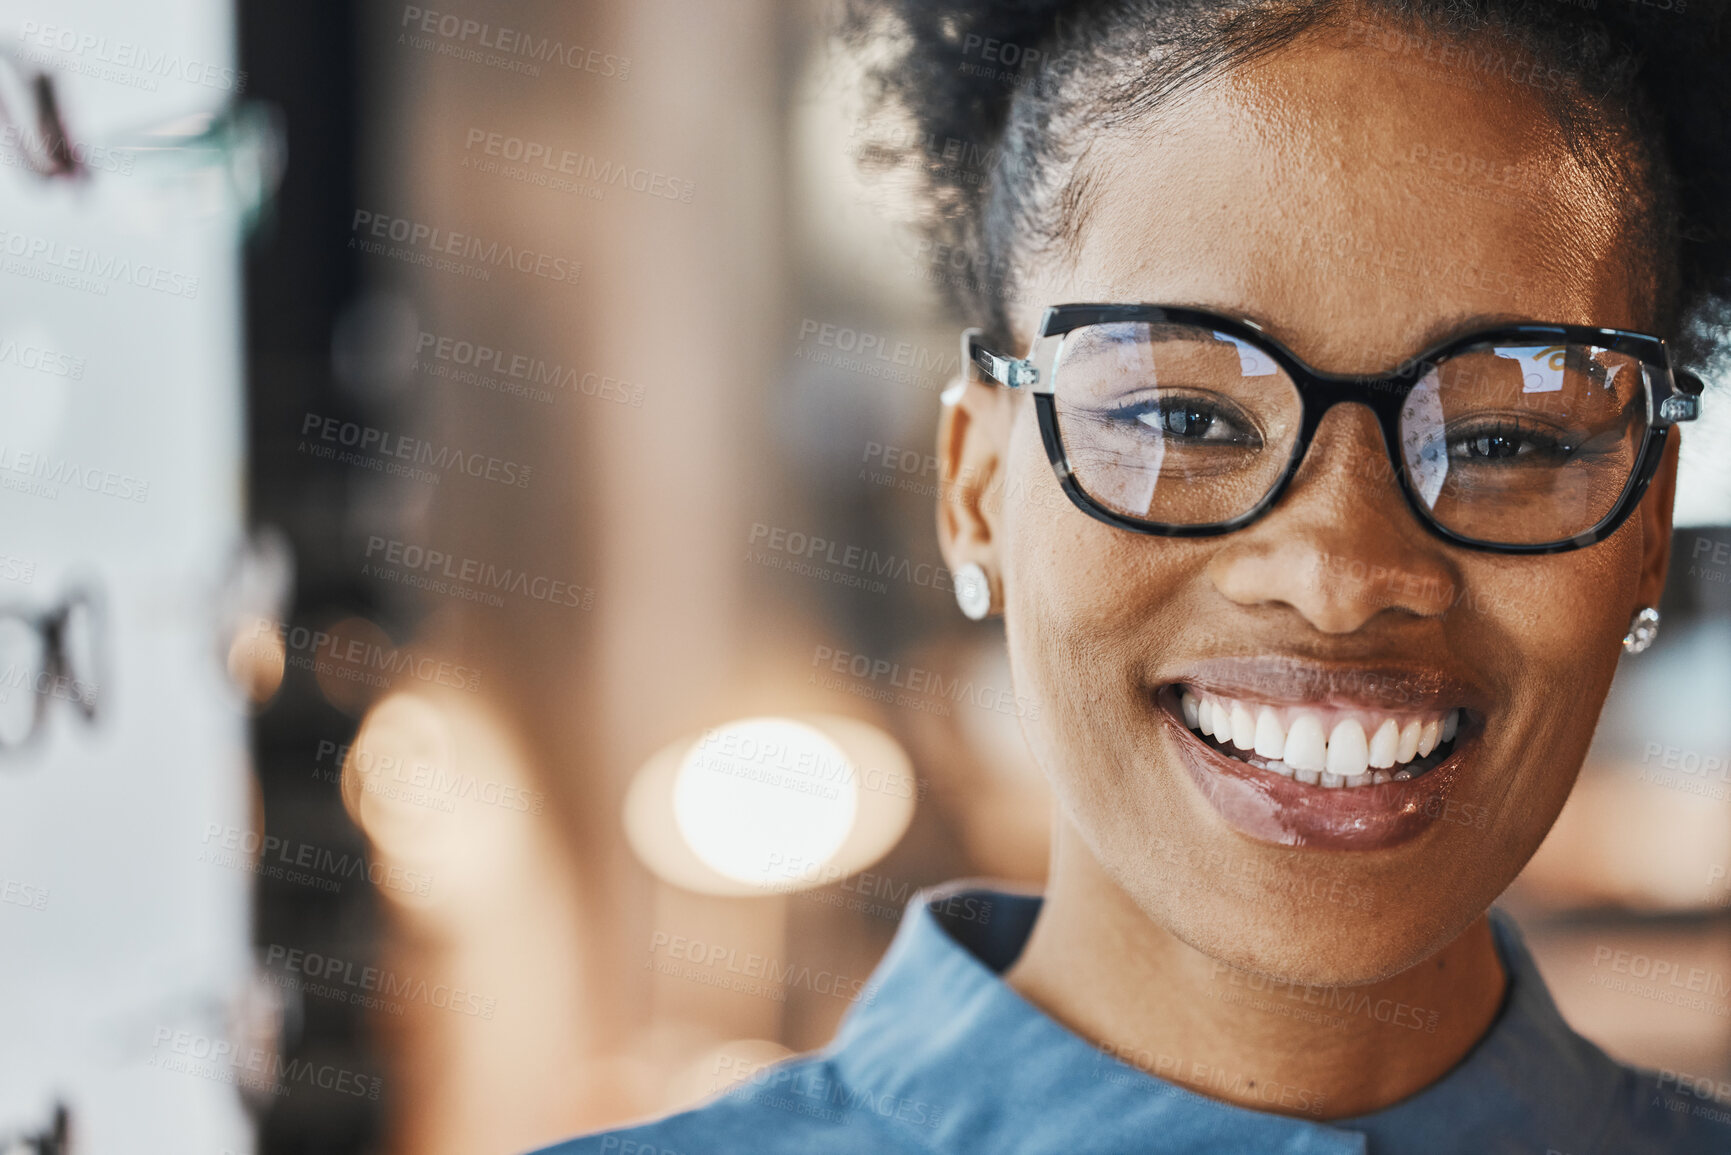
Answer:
(58, 667)
(1674, 396)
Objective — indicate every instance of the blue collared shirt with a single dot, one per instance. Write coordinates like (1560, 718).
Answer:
(939, 1055)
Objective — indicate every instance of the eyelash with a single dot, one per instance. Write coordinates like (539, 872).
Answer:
(1138, 411)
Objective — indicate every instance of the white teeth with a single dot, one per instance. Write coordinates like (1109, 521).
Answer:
(1270, 736)
(1306, 746)
(1348, 755)
(1385, 744)
(1409, 741)
(1305, 751)
(1243, 728)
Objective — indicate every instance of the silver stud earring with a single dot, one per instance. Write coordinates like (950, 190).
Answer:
(973, 591)
(1643, 628)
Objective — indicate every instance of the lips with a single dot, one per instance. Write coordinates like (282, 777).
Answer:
(1332, 756)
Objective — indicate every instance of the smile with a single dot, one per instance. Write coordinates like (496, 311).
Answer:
(1321, 754)
(1332, 747)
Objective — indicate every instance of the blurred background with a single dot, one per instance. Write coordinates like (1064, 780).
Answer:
(477, 665)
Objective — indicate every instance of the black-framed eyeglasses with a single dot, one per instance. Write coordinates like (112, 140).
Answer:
(47, 655)
(1180, 422)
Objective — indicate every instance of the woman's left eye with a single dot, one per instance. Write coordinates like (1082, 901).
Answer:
(1507, 443)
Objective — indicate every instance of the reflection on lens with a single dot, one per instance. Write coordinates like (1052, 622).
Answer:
(21, 667)
(1524, 444)
(1173, 424)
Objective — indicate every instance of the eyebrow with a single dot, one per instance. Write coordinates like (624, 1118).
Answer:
(1432, 337)
(1460, 326)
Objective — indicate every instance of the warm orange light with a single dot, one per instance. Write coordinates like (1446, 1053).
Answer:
(770, 805)
(256, 661)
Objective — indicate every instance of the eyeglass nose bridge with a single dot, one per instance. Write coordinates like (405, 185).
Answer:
(1319, 394)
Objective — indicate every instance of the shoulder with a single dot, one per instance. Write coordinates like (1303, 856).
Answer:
(796, 1108)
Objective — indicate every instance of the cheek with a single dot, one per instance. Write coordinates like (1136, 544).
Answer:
(1082, 600)
(1547, 630)
(1548, 626)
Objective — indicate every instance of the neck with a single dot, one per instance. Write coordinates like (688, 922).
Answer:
(1098, 964)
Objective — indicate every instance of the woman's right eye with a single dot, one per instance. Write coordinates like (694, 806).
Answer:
(1189, 419)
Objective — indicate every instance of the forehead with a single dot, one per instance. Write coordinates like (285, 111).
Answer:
(1359, 204)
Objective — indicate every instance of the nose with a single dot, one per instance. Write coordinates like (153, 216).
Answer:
(1341, 546)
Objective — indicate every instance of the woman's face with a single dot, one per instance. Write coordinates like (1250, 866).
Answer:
(1359, 207)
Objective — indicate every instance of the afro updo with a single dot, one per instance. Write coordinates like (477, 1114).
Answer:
(1000, 95)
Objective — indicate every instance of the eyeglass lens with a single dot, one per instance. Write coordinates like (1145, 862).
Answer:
(1510, 444)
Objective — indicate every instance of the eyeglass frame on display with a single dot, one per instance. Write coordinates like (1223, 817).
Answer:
(1673, 396)
(50, 625)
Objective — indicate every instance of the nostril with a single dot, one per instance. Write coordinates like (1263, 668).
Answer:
(1336, 587)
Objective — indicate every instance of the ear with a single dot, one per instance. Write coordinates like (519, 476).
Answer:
(1655, 514)
(973, 440)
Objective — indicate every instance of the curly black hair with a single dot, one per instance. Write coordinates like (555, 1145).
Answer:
(1000, 96)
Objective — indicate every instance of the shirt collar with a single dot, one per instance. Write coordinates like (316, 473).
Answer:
(941, 1026)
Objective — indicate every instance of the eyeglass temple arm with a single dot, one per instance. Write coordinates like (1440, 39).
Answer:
(1684, 403)
(1011, 372)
